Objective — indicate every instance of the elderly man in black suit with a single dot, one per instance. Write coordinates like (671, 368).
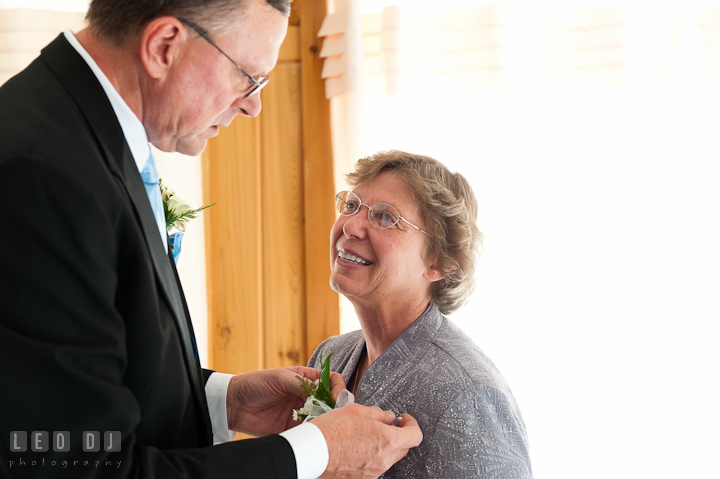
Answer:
(101, 376)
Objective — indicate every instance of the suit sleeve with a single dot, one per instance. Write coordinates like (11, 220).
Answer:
(63, 343)
(206, 374)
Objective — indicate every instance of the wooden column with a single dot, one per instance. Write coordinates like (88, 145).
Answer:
(323, 310)
(267, 238)
(283, 230)
(234, 248)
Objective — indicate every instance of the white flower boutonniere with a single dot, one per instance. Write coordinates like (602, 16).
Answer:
(177, 212)
(177, 215)
(319, 398)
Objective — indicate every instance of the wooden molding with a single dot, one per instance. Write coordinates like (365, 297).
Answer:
(323, 307)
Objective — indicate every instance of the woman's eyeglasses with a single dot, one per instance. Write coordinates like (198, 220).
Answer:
(380, 215)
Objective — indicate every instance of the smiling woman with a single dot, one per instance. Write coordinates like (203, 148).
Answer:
(403, 265)
(375, 256)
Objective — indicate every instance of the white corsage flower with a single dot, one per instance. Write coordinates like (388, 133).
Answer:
(319, 399)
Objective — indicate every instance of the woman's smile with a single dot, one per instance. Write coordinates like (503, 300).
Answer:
(346, 257)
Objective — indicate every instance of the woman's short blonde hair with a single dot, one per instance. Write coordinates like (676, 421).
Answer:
(448, 207)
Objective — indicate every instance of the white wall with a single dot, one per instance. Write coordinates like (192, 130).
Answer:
(57, 5)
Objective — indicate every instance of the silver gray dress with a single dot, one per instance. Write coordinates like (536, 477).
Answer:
(471, 425)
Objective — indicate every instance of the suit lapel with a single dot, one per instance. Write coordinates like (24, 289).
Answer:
(163, 269)
(79, 80)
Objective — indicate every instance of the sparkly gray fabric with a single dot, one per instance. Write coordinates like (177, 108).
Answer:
(471, 425)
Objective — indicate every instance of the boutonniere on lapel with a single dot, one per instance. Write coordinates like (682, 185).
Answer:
(318, 396)
(177, 215)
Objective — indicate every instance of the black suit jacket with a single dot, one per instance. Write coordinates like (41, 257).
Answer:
(94, 330)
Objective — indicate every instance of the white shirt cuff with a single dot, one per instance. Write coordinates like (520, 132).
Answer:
(216, 389)
(311, 451)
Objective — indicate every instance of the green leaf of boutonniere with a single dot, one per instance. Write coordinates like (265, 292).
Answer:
(318, 393)
(323, 391)
(177, 212)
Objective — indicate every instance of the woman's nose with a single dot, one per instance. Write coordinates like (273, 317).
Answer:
(356, 225)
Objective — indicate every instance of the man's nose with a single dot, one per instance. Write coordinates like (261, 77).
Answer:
(249, 106)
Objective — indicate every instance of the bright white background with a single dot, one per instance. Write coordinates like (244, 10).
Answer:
(598, 287)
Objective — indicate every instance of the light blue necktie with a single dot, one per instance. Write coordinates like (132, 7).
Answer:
(150, 179)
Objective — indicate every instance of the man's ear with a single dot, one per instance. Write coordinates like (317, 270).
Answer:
(432, 272)
(160, 44)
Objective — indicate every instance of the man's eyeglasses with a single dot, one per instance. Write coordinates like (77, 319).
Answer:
(380, 215)
(252, 85)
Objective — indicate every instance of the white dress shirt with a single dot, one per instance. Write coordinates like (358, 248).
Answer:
(307, 441)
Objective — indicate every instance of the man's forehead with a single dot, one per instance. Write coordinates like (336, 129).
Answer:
(257, 35)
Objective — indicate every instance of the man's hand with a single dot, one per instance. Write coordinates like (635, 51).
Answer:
(261, 402)
(363, 442)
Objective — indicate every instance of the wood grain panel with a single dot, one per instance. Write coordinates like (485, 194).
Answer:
(235, 256)
(290, 49)
(322, 303)
(283, 231)
(267, 239)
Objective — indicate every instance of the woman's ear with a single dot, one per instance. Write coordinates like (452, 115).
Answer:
(432, 272)
(160, 44)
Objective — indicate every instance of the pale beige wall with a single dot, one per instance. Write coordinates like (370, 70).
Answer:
(24, 32)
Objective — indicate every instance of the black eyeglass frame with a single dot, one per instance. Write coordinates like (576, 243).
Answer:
(370, 209)
(258, 84)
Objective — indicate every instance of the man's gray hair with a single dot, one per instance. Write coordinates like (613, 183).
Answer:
(115, 20)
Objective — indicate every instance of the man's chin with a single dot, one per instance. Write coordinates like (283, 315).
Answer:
(194, 148)
(189, 148)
